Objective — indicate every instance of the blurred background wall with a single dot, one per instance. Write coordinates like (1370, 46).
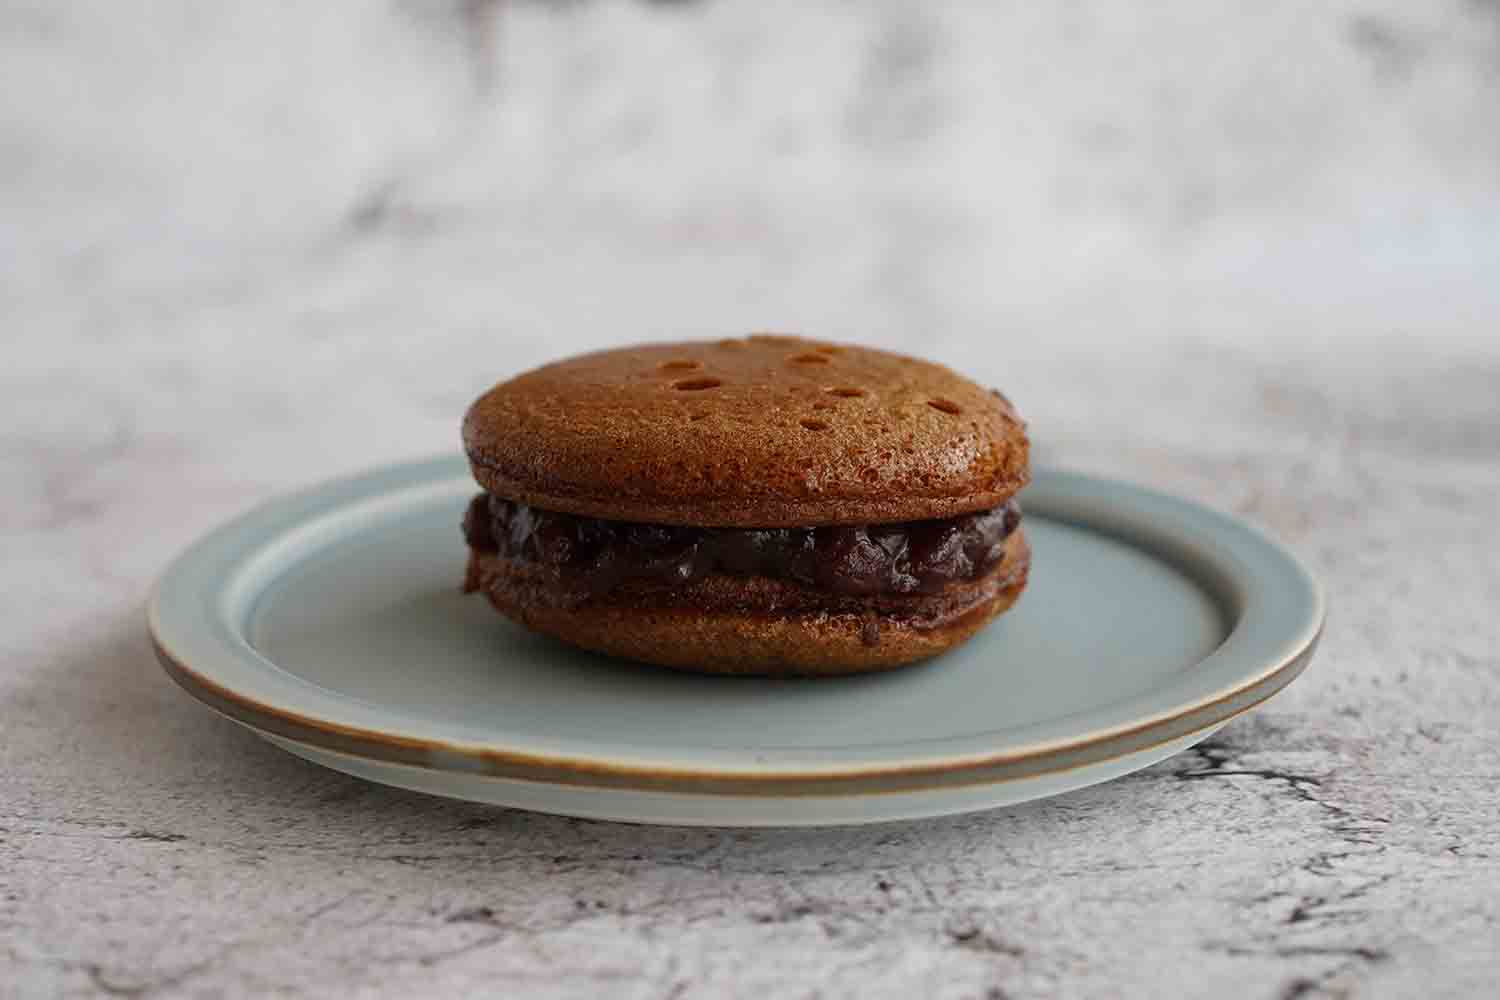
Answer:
(314, 231)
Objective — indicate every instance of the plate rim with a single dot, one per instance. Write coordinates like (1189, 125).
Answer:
(1000, 766)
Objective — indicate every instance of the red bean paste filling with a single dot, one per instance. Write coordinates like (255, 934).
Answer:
(911, 557)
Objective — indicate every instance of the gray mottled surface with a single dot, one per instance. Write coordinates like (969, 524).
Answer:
(1248, 253)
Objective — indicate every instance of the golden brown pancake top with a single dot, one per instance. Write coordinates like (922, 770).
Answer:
(764, 431)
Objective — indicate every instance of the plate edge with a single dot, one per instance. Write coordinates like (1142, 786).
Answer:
(980, 770)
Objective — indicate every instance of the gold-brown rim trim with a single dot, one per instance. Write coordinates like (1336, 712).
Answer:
(989, 769)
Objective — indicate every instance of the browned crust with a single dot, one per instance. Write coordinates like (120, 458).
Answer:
(755, 625)
(861, 436)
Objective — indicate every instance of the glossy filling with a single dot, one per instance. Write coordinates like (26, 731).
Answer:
(911, 557)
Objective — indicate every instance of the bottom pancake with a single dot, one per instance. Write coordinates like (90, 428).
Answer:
(750, 624)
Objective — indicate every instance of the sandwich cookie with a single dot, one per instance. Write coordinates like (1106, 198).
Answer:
(765, 505)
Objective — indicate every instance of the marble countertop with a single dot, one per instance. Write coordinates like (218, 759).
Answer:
(1246, 254)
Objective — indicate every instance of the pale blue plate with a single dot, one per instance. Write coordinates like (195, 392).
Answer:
(331, 622)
